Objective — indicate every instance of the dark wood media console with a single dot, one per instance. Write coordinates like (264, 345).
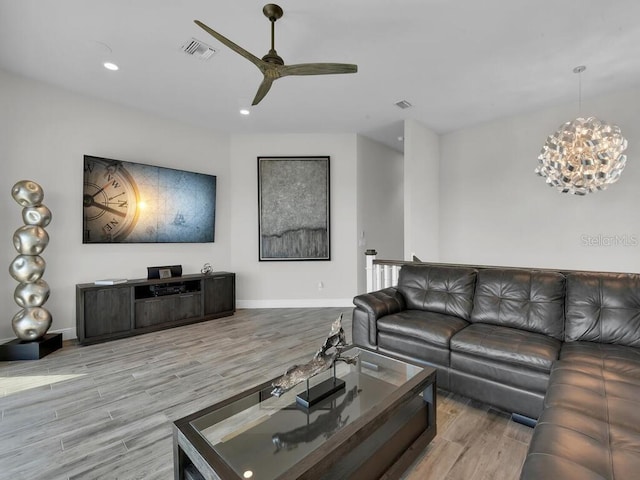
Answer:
(107, 312)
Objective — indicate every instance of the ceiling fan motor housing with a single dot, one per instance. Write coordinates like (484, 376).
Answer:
(273, 57)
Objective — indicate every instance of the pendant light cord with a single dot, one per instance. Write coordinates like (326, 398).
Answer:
(579, 69)
(580, 94)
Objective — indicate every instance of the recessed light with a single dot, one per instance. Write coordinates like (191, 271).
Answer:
(244, 111)
(110, 66)
(248, 474)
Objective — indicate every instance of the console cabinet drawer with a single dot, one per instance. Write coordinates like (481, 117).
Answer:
(159, 310)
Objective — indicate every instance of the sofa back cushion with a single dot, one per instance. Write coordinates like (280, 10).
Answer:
(447, 290)
(603, 308)
(529, 300)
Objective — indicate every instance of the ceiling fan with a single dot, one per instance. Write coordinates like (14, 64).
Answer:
(271, 65)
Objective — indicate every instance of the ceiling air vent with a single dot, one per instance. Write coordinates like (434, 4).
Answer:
(403, 104)
(198, 49)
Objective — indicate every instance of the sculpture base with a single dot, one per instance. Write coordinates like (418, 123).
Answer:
(319, 392)
(24, 350)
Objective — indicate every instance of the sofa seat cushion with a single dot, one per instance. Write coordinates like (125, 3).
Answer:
(507, 345)
(624, 361)
(413, 349)
(588, 389)
(419, 334)
(570, 444)
(486, 369)
(429, 327)
(590, 426)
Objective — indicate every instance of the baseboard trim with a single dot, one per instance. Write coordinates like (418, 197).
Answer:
(296, 303)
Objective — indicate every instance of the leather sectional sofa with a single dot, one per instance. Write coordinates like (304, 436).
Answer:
(557, 346)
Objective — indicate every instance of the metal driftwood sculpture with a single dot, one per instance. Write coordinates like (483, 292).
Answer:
(322, 360)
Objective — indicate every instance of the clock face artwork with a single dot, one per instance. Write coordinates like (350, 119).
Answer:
(127, 202)
(110, 201)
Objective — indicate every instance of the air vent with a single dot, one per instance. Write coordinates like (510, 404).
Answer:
(198, 49)
(403, 104)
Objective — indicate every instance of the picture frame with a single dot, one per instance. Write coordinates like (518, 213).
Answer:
(294, 208)
(164, 273)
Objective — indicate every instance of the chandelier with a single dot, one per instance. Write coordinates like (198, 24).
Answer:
(583, 156)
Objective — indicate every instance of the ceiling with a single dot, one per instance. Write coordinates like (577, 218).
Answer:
(458, 62)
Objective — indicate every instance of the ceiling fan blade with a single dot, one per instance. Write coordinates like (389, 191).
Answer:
(317, 69)
(264, 88)
(236, 48)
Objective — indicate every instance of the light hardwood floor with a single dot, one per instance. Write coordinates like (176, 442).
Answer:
(106, 411)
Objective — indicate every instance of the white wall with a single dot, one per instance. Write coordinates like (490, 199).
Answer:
(274, 284)
(380, 204)
(421, 192)
(495, 210)
(44, 133)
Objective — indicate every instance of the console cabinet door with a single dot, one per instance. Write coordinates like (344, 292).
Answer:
(107, 311)
(219, 294)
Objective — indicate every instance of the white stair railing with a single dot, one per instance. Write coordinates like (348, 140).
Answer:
(381, 273)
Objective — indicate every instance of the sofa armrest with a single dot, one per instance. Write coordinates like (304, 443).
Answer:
(369, 308)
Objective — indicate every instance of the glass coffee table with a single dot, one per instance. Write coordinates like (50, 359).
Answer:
(377, 425)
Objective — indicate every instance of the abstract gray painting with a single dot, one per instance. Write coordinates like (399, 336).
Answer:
(293, 198)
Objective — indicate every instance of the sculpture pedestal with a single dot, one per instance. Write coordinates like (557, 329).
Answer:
(23, 350)
(319, 392)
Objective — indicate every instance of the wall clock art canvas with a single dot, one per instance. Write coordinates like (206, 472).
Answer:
(293, 204)
(125, 202)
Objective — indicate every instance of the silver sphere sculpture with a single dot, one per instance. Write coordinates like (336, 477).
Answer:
(30, 239)
(27, 193)
(32, 294)
(39, 215)
(32, 321)
(27, 268)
